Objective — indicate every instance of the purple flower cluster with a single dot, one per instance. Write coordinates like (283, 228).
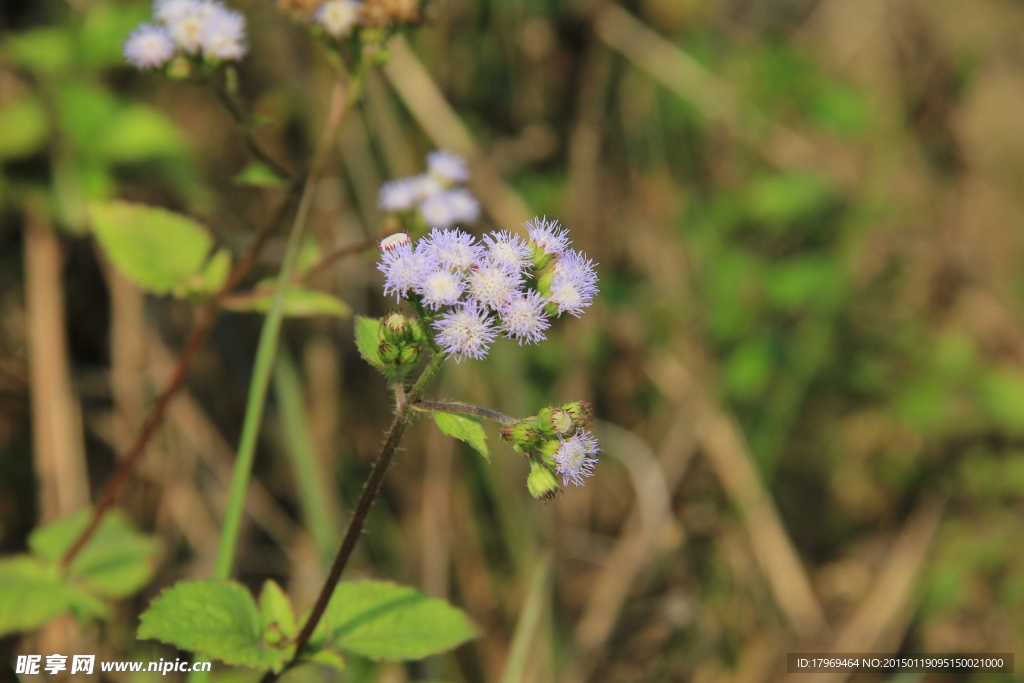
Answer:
(572, 458)
(470, 291)
(437, 194)
(191, 27)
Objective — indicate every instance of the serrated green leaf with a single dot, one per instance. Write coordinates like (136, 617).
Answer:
(213, 618)
(115, 563)
(383, 620)
(368, 340)
(258, 175)
(154, 248)
(276, 616)
(25, 126)
(32, 593)
(299, 302)
(137, 132)
(465, 428)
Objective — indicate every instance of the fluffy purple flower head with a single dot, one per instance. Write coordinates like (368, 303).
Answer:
(223, 36)
(453, 248)
(187, 21)
(572, 459)
(450, 207)
(548, 236)
(523, 318)
(149, 47)
(507, 251)
(441, 287)
(465, 331)
(573, 283)
(405, 268)
(448, 167)
(424, 187)
(493, 285)
(173, 11)
(397, 195)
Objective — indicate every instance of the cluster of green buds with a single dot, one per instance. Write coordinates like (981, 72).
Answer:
(556, 441)
(401, 340)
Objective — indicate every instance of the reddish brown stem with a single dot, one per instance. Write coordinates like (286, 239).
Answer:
(188, 353)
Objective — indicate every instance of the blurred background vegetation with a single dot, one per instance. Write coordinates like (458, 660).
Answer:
(807, 356)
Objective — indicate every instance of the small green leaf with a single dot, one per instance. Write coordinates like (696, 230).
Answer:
(299, 302)
(115, 563)
(213, 618)
(207, 281)
(466, 428)
(139, 132)
(154, 248)
(258, 175)
(276, 616)
(382, 620)
(32, 593)
(46, 51)
(329, 658)
(25, 127)
(368, 340)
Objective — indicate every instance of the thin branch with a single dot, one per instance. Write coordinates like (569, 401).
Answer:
(432, 406)
(200, 330)
(245, 128)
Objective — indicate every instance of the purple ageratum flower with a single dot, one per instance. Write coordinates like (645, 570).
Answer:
(523, 318)
(493, 285)
(338, 17)
(448, 167)
(405, 268)
(172, 11)
(465, 331)
(424, 187)
(397, 195)
(187, 21)
(223, 35)
(548, 236)
(454, 249)
(573, 283)
(441, 287)
(450, 207)
(572, 459)
(149, 47)
(507, 251)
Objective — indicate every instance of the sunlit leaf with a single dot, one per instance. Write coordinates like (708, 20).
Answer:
(154, 248)
(368, 340)
(465, 428)
(32, 593)
(24, 125)
(382, 620)
(214, 619)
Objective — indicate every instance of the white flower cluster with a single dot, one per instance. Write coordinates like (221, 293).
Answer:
(192, 27)
(437, 195)
(338, 17)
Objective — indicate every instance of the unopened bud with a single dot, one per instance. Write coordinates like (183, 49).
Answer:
(394, 327)
(549, 448)
(388, 353)
(581, 412)
(555, 421)
(393, 241)
(541, 483)
(409, 354)
(523, 434)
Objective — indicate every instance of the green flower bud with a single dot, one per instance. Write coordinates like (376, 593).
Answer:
(179, 69)
(581, 412)
(549, 447)
(388, 353)
(541, 483)
(409, 355)
(541, 259)
(555, 421)
(523, 434)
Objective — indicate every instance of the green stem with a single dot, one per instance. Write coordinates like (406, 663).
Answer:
(266, 350)
(462, 408)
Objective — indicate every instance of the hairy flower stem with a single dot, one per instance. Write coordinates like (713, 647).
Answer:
(362, 509)
(195, 340)
(432, 406)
